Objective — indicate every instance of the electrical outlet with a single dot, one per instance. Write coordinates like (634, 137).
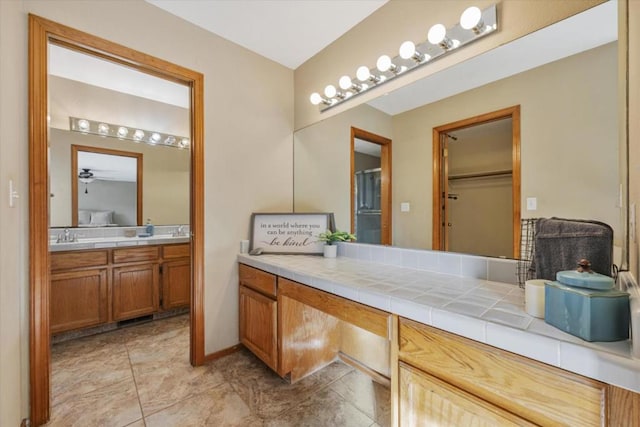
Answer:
(405, 207)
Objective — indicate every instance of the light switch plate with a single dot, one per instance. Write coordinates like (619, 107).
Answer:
(405, 207)
(532, 203)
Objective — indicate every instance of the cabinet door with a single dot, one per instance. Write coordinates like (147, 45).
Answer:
(78, 299)
(427, 401)
(135, 291)
(176, 284)
(258, 327)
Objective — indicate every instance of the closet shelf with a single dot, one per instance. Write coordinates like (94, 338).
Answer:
(505, 172)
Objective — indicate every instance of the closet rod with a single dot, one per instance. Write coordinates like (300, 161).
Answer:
(481, 174)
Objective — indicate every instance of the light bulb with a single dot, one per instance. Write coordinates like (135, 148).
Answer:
(103, 129)
(363, 73)
(123, 131)
(330, 91)
(83, 125)
(170, 140)
(155, 137)
(437, 34)
(315, 98)
(407, 49)
(184, 143)
(345, 83)
(384, 63)
(138, 135)
(470, 18)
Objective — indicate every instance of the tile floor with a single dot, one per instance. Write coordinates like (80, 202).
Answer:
(140, 376)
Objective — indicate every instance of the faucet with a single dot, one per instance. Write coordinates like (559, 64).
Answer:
(179, 232)
(66, 236)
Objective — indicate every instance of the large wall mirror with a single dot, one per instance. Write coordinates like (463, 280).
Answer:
(103, 113)
(115, 110)
(572, 156)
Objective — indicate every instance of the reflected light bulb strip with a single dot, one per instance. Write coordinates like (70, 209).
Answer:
(474, 24)
(121, 132)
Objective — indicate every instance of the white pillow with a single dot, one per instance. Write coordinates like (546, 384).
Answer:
(101, 217)
(84, 216)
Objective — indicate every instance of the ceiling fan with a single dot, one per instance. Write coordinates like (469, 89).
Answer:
(86, 177)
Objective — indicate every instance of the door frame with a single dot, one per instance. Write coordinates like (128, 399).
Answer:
(385, 180)
(437, 201)
(41, 32)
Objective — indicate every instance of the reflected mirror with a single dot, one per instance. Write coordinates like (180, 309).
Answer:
(570, 156)
(115, 180)
(131, 133)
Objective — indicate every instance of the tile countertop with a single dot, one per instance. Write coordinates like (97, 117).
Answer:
(112, 242)
(487, 311)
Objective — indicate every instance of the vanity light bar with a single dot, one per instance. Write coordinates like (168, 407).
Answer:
(474, 24)
(123, 132)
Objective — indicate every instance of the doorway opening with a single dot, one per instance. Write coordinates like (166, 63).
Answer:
(476, 185)
(370, 187)
(42, 35)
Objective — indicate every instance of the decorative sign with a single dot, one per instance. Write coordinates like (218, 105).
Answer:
(289, 233)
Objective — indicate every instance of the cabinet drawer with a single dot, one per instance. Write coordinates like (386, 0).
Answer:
(147, 253)
(78, 259)
(258, 280)
(532, 390)
(176, 251)
(428, 401)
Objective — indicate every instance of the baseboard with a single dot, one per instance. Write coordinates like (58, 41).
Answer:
(221, 353)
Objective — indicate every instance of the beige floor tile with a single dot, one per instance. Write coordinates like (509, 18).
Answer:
(76, 370)
(164, 347)
(365, 394)
(264, 391)
(115, 405)
(220, 406)
(163, 373)
(139, 423)
(325, 408)
(156, 327)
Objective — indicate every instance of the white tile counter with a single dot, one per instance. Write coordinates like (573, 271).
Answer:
(451, 292)
(111, 237)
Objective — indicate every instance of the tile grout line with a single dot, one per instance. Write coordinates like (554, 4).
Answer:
(135, 383)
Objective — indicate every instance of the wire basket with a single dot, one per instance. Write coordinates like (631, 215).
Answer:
(524, 268)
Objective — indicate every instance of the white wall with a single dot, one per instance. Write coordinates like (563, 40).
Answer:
(248, 161)
(569, 140)
(322, 162)
(165, 183)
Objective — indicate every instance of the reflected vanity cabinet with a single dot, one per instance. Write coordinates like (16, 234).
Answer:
(94, 287)
(259, 314)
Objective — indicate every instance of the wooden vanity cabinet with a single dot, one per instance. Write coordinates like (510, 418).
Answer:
(78, 299)
(259, 314)
(94, 287)
(79, 290)
(463, 382)
(135, 286)
(176, 276)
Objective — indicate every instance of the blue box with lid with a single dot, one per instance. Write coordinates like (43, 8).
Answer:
(585, 304)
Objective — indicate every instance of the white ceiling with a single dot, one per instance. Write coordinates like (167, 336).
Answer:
(286, 31)
(78, 66)
(108, 167)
